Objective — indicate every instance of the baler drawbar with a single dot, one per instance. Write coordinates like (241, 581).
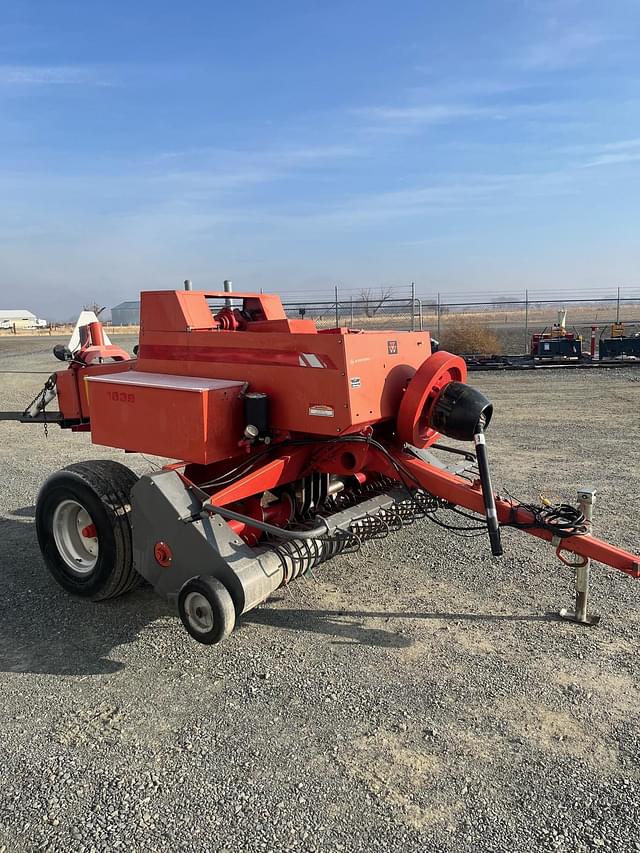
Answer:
(293, 444)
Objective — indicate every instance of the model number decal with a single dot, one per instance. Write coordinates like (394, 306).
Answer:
(121, 397)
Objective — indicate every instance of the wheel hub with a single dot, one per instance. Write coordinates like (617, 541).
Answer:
(199, 612)
(75, 536)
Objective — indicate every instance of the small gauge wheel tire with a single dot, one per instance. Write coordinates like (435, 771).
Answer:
(206, 609)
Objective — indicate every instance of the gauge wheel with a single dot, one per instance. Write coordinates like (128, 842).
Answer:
(83, 522)
(206, 609)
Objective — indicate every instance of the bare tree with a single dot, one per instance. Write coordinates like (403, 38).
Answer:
(373, 302)
(95, 307)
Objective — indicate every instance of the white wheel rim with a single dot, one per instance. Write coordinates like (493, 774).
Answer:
(199, 612)
(72, 528)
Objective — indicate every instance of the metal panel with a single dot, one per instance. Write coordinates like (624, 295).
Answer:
(162, 509)
(178, 417)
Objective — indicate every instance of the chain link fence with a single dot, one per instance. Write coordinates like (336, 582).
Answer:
(511, 322)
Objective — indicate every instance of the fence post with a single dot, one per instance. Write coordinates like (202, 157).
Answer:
(618, 307)
(352, 323)
(526, 321)
(337, 308)
(413, 306)
(420, 315)
(438, 310)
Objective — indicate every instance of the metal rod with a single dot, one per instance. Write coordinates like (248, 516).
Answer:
(413, 306)
(526, 321)
(438, 316)
(586, 500)
(487, 493)
(352, 323)
(337, 308)
(618, 307)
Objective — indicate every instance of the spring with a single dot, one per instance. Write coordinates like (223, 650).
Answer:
(426, 502)
(409, 510)
(353, 496)
(369, 527)
(390, 518)
(299, 556)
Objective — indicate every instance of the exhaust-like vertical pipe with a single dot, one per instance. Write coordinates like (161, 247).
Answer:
(228, 288)
(96, 333)
(187, 284)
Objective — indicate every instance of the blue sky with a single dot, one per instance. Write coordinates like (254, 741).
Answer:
(474, 147)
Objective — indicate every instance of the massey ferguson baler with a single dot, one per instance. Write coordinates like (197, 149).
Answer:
(293, 445)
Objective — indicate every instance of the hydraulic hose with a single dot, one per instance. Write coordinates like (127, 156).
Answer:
(318, 532)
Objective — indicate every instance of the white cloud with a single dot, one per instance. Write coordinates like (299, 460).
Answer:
(613, 153)
(410, 118)
(202, 171)
(463, 193)
(563, 49)
(50, 75)
(427, 114)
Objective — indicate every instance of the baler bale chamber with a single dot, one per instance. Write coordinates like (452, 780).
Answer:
(292, 444)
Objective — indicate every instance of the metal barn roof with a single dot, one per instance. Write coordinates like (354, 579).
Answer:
(124, 306)
(16, 314)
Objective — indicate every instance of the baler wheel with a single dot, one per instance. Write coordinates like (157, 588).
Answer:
(84, 529)
(206, 609)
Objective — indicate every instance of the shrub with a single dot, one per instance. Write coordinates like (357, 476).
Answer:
(470, 336)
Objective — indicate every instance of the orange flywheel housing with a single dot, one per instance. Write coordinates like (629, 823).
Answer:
(422, 392)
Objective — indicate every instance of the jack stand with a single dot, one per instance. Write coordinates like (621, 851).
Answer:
(586, 500)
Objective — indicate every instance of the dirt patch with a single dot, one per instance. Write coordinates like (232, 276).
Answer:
(402, 775)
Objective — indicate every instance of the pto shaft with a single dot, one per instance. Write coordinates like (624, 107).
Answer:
(487, 492)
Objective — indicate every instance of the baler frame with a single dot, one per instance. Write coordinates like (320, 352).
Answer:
(297, 445)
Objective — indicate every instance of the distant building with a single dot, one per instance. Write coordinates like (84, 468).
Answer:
(126, 314)
(20, 318)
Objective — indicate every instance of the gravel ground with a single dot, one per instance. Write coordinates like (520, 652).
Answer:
(414, 697)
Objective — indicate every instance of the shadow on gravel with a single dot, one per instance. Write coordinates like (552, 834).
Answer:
(349, 624)
(339, 624)
(25, 512)
(44, 630)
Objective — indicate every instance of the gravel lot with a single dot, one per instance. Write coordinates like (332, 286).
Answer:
(415, 697)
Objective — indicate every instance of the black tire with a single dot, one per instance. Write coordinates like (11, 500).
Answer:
(102, 488)
(221, 616)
